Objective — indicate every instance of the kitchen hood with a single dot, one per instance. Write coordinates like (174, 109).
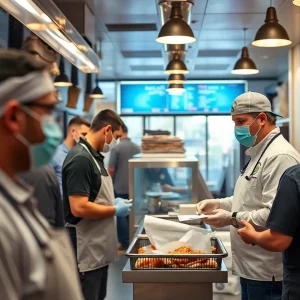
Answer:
(46, 20)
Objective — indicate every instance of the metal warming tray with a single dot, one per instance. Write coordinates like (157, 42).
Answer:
(174, 261)
(174, 218)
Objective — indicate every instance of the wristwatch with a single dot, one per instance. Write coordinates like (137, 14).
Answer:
(233, 221)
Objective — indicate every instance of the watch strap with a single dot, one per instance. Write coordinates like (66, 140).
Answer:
(234, 215)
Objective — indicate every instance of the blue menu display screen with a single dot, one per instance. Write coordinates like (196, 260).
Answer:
(204, 97)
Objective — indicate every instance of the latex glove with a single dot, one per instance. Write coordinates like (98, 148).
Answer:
(207, 206)
(247, 233)
(218, 218)
(118, 199)
(123, 209)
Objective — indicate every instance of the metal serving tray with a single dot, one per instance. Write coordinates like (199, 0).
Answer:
(174, 261)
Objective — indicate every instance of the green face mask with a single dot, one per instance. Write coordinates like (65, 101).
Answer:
(41, 154)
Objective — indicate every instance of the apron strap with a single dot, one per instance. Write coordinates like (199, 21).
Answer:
(262, 154)
(97, 164)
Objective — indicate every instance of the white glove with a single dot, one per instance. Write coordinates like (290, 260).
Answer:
(218, 218)
(207, 206)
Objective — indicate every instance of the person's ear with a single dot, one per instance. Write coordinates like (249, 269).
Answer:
(263, 118)
(12, 116)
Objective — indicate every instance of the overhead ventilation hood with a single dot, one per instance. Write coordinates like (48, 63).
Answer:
(46, 20)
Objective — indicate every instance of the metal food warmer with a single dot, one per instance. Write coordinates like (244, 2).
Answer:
(173, 277)
(158, 185)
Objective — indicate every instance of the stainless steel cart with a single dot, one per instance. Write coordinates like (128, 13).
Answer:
(167, 284)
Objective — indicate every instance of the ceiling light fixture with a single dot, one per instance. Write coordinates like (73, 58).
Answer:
(176, 79)
(175, 89)
(97, 92)
(176, 30)
(62, 80)
(271, 34)
(48, 23)
(296, 2)
(176, 66)
(245, 65)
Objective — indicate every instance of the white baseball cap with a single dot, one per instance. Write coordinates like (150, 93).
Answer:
(251, 102)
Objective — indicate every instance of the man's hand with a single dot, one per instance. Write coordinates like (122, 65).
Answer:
(218, 218)
(247, 233)
(167, 188)
(207, 206)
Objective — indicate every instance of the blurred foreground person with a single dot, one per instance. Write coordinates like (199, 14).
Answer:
(35, 261)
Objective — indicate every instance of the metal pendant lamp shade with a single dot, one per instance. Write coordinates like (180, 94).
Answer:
(245, 65)
(176, 79)
(97, 92)
(176, 89)
(176, 66)
(271, 34)
(62, 80)
(176, 30)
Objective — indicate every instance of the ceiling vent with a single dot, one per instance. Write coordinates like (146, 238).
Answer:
(131, 27)
(147, 68)
(141, 54)
(218, 53)
(216, 67)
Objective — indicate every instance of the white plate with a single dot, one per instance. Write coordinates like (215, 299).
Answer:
(164, 195)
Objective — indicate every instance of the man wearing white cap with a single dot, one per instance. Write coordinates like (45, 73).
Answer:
(35, 261)
(254, 193)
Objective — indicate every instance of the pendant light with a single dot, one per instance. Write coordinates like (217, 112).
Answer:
(176, 30)
(176, 79)
(271, 34)
(176, 66)
(245, 65)
(296, 2)
(62, 80)
(175, 89)
(97, 92)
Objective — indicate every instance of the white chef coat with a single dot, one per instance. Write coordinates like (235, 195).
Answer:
(253, 200)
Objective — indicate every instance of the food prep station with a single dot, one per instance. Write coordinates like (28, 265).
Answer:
(146, 191)
(163, 282)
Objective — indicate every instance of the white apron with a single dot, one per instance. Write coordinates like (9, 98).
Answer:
(97, 243)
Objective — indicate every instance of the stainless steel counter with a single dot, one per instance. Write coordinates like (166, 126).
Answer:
(173, 285)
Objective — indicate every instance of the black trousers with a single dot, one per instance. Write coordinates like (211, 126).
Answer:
(94, 283)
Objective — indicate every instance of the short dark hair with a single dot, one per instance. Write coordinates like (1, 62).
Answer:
(107, 117)
(270, 117)
(79, 121)
(125, 129)
(18, 63)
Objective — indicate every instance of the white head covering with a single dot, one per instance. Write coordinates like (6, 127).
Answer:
(26, 88)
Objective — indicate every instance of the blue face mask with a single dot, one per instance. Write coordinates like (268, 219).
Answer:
(41, 154)
(242, 134)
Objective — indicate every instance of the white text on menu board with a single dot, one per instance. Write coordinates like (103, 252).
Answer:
(156, 90)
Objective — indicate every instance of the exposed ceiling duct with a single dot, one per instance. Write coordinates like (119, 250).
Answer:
(46, 20)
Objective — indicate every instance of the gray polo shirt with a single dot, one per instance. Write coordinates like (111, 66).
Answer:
(118, 161)
(22, 265)
(47, 194)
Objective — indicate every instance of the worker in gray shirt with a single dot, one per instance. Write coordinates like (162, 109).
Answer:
(46, 192)
(118, 170)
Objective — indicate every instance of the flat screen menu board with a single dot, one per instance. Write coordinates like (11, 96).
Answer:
(213, 97)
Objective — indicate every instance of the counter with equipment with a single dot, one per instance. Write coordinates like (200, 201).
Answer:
(177, 269)
(159, 184)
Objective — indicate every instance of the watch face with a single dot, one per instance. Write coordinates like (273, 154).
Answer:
(234, 222)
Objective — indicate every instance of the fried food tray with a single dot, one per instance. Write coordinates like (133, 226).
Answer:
(175, 261)
(197, 223)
